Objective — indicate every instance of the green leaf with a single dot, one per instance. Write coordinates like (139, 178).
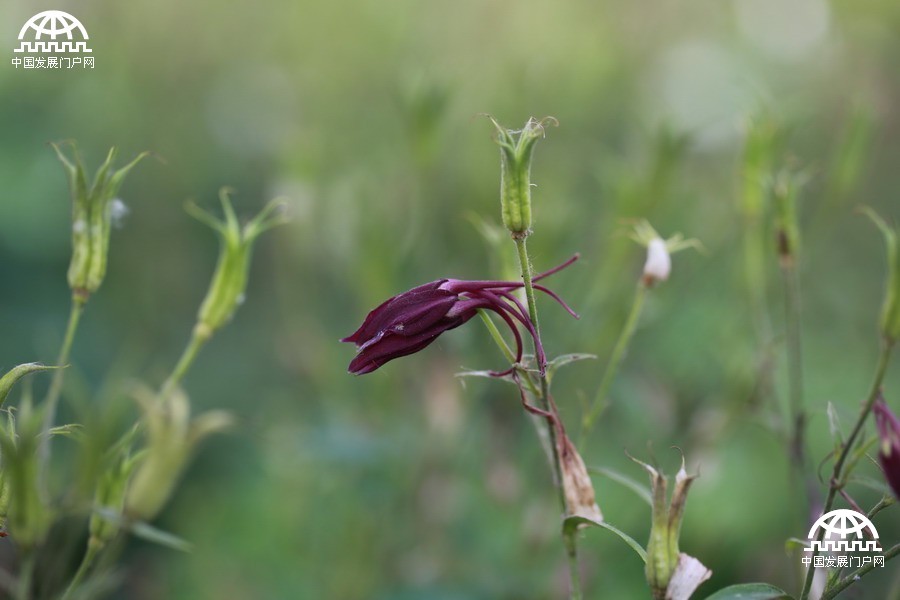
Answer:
(565, 359)
(834, 424)
(158, 536)
(17, 373)
(750, 591)
(487, 375)
(571, 523)
(641, 490)
(873, 484)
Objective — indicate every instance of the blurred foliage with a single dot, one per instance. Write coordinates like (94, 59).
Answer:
(404, 483)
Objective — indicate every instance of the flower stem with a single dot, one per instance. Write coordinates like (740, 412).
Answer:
(544, 399)
(26, 575)
(856, 575)
(199, 337)
(574, 576)
(55, 390)
(87, 562)
(836, 473)
(794, 362)
(615, 360)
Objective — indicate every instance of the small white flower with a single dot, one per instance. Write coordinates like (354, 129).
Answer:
(659, 262)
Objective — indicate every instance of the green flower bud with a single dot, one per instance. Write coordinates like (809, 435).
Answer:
(171, 438)
(20, 501)
(785, 189)
(668, 568)
(890, 308)
(110, 496)
(28, 517)
(516, 150)
(229, 282)
(91, 218)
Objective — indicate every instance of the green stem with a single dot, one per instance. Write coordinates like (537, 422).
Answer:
(835, 482)
(615, 360)
(199, 336)
(882, 504)
(55, 390)
(497, 336)
(87, 562)
(794, 362)
(856, 575)
(65, 350)
(26, 575)
(544, 399)
(572, 552)
(506, 350)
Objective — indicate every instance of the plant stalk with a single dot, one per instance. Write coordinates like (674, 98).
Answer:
(87, 562)
(836, 473)
(856, 575)
(544, 399)
(55, 390)
(615, 360)
(199, 337)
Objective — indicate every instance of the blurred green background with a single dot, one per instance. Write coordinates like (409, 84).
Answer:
(405, 483)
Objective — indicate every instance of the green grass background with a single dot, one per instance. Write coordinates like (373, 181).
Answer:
(405, 483)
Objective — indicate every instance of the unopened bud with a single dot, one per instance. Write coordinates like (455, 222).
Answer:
(658, 265)
(659, 262)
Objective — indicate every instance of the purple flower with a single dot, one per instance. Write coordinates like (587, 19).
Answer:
(889, 455)
(412, 320)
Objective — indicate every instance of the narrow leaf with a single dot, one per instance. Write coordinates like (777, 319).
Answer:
(571, 523)
(17, 373)
(641, 490)
(158, 536)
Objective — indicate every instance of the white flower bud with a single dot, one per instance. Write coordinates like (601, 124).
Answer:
(659, 263)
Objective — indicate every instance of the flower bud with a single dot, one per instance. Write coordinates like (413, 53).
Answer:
(171, 439)
(658, 265)
(110, 496)
(659, 262)
(785, 189)
(668, 569)
(889, 438)
(28, 516)
(516, 150)
(229, 282)
(91, 219)
(890, 308)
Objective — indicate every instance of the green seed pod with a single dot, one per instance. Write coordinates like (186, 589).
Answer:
(664, 560)
(110, 495)
(29, 517)
(92, 214)
(171, 439)
(229, 282)
(516, 151)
